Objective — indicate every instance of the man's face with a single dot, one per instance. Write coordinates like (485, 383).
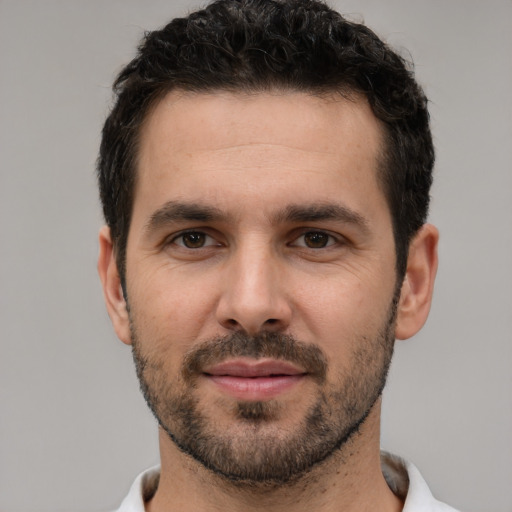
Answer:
(260, 277)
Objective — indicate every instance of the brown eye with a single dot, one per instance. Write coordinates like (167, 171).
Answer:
(316, 239)
(193, 240)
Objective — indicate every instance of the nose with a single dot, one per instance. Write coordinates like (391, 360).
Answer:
(253, 297)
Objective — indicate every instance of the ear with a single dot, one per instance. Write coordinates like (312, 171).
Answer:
(111, 283)
(418, 284)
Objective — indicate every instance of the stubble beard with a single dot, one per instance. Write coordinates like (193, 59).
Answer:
(257, 452)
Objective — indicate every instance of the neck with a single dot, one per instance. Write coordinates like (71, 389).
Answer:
(350, 480)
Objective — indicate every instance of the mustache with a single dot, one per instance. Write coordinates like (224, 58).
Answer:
(266, 344)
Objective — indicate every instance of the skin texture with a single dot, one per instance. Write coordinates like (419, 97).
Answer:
(291, 235)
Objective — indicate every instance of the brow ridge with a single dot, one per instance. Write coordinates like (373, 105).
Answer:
(176, 211)
(321, 212)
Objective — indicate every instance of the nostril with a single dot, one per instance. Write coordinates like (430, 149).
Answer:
(271, 321)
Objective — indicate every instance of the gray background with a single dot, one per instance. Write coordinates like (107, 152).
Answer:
(74, 430)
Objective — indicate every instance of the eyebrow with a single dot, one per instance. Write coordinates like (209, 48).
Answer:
(177, 211)
(322, 212)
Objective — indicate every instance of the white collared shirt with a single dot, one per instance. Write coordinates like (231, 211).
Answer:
(403, 478)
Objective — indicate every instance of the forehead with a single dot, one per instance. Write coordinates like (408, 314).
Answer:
(193, 120)
(199, 146)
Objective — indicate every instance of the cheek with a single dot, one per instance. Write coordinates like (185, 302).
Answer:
(339, 312)
(170, 309)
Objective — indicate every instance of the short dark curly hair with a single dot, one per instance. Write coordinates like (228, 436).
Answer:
(262, 45)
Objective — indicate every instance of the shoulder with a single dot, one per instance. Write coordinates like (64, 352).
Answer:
(141, 491)
(406, 481)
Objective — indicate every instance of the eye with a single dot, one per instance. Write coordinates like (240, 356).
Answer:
(314, 240)
(194, 240)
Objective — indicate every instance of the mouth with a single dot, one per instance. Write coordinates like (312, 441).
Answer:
(254, 380)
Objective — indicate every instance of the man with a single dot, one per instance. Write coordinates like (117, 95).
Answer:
(265, 176)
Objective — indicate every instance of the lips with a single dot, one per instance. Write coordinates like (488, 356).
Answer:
(254, 380)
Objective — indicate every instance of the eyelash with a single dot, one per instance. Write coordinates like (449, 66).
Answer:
(183, 234)
(329, 239)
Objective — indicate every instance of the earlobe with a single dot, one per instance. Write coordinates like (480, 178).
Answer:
(418, 284)
(111, 283)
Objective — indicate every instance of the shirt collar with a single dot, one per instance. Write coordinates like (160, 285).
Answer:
(402, 477)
